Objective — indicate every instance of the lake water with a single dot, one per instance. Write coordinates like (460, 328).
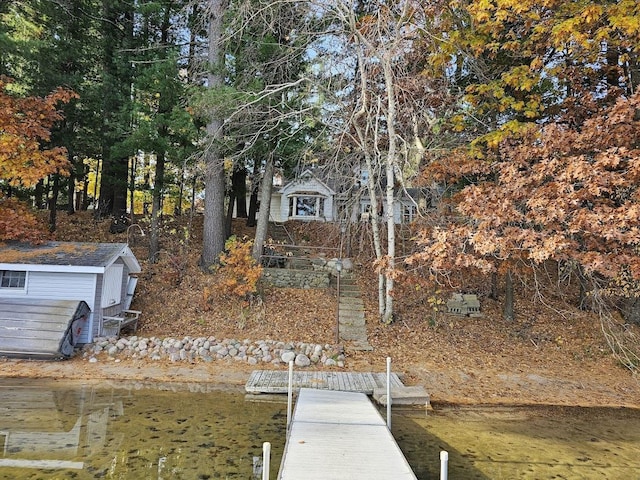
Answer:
(126, 432)
(523, 443)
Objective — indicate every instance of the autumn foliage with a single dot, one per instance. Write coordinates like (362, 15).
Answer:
(560, 193)
(239, 271)
(25, 156)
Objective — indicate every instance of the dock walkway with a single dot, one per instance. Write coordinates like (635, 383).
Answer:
(338, 435)
(277, 381)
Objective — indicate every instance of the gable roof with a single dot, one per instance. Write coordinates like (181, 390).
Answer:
(304, 183)
(66, 256)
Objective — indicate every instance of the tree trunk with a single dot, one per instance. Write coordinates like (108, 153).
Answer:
(132, 186)
(265, 205)
(39, 195)
(239, 190)
(84, 204)
(508, 312)
(253, 199)
(71, 189)
(214, 227)
(390, 178)
(156, 208)
(493, 293)
(178, 209)
(194, 184)
(53, 203)
(359, 122)
(229, 219)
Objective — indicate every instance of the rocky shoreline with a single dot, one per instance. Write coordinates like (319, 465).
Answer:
(209, 349)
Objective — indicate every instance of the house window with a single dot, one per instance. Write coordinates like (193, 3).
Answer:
(12, 279)
(306, 206)
(409, 213)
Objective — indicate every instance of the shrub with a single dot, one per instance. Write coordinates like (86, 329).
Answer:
(238, 269)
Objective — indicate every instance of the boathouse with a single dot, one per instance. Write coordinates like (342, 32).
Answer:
(102, 275)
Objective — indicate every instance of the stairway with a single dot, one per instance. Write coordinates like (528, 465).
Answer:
(351, 318)
(278, 233)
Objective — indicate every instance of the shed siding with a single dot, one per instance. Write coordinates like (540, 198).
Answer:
(124, 285)
(97, 324)
(110, 310)
(112, 286)
(65, 286)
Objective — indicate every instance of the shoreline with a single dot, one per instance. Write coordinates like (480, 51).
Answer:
(447, 388)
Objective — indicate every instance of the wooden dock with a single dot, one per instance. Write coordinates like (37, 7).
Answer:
(277, 381)
(339, 435)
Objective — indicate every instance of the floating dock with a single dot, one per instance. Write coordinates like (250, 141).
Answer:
(340, 435)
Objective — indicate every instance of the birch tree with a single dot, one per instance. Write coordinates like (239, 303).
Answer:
(389, 113)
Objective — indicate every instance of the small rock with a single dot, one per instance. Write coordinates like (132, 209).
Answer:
(302, 360)
(288, 356)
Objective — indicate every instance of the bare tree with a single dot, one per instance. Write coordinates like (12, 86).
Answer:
(387, 116)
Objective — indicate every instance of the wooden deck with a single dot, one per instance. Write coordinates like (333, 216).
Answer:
(340, 435)
(277, 381)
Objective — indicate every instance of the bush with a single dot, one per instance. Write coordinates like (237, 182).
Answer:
(239, 271)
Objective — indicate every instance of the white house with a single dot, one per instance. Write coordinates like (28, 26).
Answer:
(309, 198)
(104, 275)
(305, 198)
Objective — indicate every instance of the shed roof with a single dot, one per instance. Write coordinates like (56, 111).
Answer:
(66, 256)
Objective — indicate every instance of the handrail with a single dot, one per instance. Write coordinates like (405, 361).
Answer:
(281, 224)
(308, 247)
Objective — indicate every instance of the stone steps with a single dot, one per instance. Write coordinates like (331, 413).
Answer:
(278, 234)
(352, 322)
(351, 316)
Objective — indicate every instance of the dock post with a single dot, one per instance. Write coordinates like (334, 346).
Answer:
(389, 393)
(266, 460)
(290, 395)
(444, 462)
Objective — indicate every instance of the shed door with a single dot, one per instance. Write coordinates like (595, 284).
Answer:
(112, 286)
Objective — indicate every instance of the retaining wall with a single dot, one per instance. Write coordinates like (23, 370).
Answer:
(290, 278)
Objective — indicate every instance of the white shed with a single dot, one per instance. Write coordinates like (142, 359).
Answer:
(104, 275)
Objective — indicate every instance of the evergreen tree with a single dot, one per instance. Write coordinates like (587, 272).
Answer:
(117, 80)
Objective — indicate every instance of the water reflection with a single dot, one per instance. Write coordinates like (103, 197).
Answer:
(53, 432)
